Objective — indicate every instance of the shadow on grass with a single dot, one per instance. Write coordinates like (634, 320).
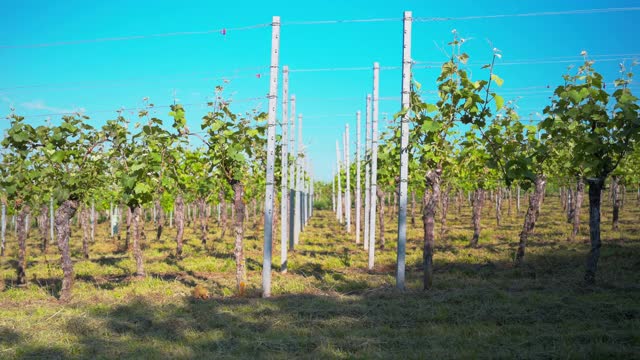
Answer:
(474, 322)
(478, 308)
(9, 336)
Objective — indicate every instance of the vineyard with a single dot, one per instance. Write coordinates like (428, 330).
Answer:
(455, 227)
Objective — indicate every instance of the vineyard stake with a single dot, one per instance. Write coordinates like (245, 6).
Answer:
(284, 201)
(271, 156)
(358, 189)
(404, 151)
(374, 165)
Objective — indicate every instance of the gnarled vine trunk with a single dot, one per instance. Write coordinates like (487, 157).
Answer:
(137, 230)
(430, 204)
(64, 214)
(127, 237)
(159, 220)
(477, 201)
(531, 217)
(616, 200)
(238, 227)
(179, 219)
(21, 230)
(595, 193)
(571, 195)
(577, 206)
(43, 223)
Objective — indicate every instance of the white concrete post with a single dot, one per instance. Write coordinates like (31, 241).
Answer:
(367, 176)
(271, 157)
(358, 189)
(284, 202)
(374, 165)
(404, 153)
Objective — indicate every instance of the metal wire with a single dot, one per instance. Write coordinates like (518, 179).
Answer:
(133, 37)
(532, 14)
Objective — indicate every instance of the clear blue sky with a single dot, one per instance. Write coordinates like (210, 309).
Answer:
(101, 77)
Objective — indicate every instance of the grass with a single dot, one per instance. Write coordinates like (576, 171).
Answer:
(328, 305)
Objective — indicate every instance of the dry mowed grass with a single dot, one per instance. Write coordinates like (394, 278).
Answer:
(328, 305)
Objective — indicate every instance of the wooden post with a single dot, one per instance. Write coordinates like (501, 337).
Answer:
(358, 189)
(374, 166)
(284, 201)
(404, 154)
(271, 157)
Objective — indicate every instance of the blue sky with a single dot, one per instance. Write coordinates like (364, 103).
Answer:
(100, 77)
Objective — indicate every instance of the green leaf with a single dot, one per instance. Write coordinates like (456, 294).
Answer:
(142, 188)
(499, 101)
(68, 126)
(464, 58)
(58, 156)
(20, 136)
(575, 96)
(497, 79)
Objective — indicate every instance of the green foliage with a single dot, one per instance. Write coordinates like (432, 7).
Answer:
(21, 164)
(234, 141)
(144, 160)
(595, 129)
(389, 160)
(68, 159)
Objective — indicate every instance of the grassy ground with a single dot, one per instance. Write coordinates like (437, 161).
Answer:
(329, 306)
